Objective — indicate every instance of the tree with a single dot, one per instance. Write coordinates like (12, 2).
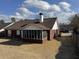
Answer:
(75, 24)
(13, 19)
(74, 21)
(2, 21)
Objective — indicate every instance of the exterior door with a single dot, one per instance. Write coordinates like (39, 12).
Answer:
(13, 33)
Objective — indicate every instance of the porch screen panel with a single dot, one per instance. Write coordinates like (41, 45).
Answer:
(27, 34)
(32, 34)
(38, 34)
(24, 34)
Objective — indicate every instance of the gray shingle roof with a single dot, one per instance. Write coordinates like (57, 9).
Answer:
(47, 24)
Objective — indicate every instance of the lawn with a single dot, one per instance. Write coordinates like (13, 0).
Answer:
(22, 50)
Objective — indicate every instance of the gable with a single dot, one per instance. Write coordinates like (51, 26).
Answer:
(55, 26)
(33, 27)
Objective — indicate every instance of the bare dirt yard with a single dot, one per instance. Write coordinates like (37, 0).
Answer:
(19, 50)
(55, 49)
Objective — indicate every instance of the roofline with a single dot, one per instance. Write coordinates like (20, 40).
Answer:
(44, 18)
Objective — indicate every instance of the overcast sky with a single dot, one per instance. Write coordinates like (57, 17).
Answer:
(62, 9)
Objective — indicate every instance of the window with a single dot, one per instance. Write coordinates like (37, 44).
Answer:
(9, 32)
(18, 32)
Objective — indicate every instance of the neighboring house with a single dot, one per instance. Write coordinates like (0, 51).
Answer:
(65, 28)
(41, 29)
(2, 28)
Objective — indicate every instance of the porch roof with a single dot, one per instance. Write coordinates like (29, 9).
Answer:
(34, 27)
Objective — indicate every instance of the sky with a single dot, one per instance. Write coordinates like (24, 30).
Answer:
(30, 9)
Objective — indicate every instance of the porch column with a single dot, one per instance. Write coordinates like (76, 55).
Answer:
(48, 34)
(42, 35)
(21, 33)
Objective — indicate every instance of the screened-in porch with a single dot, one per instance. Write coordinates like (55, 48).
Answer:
(32, 34)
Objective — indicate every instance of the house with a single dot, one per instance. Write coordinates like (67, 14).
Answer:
(34, 30)
(65, 28)
(2, 26)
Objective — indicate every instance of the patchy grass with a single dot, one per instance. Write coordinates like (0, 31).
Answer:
(10, 50)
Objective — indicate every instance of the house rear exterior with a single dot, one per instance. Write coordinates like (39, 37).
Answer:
(32, 30)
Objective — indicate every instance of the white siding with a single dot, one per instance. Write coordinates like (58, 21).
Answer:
(55, 27)
(9, 32)
(18, 32)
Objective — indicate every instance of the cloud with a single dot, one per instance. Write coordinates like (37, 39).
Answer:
(18, 14)
(63, 17)
(61, 10)
(66, 6)
(24, 10)
(5, 18)
(55, 7)
(43, 5)
(24, 13)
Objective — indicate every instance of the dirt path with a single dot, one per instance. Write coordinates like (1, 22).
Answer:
(66, 50)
